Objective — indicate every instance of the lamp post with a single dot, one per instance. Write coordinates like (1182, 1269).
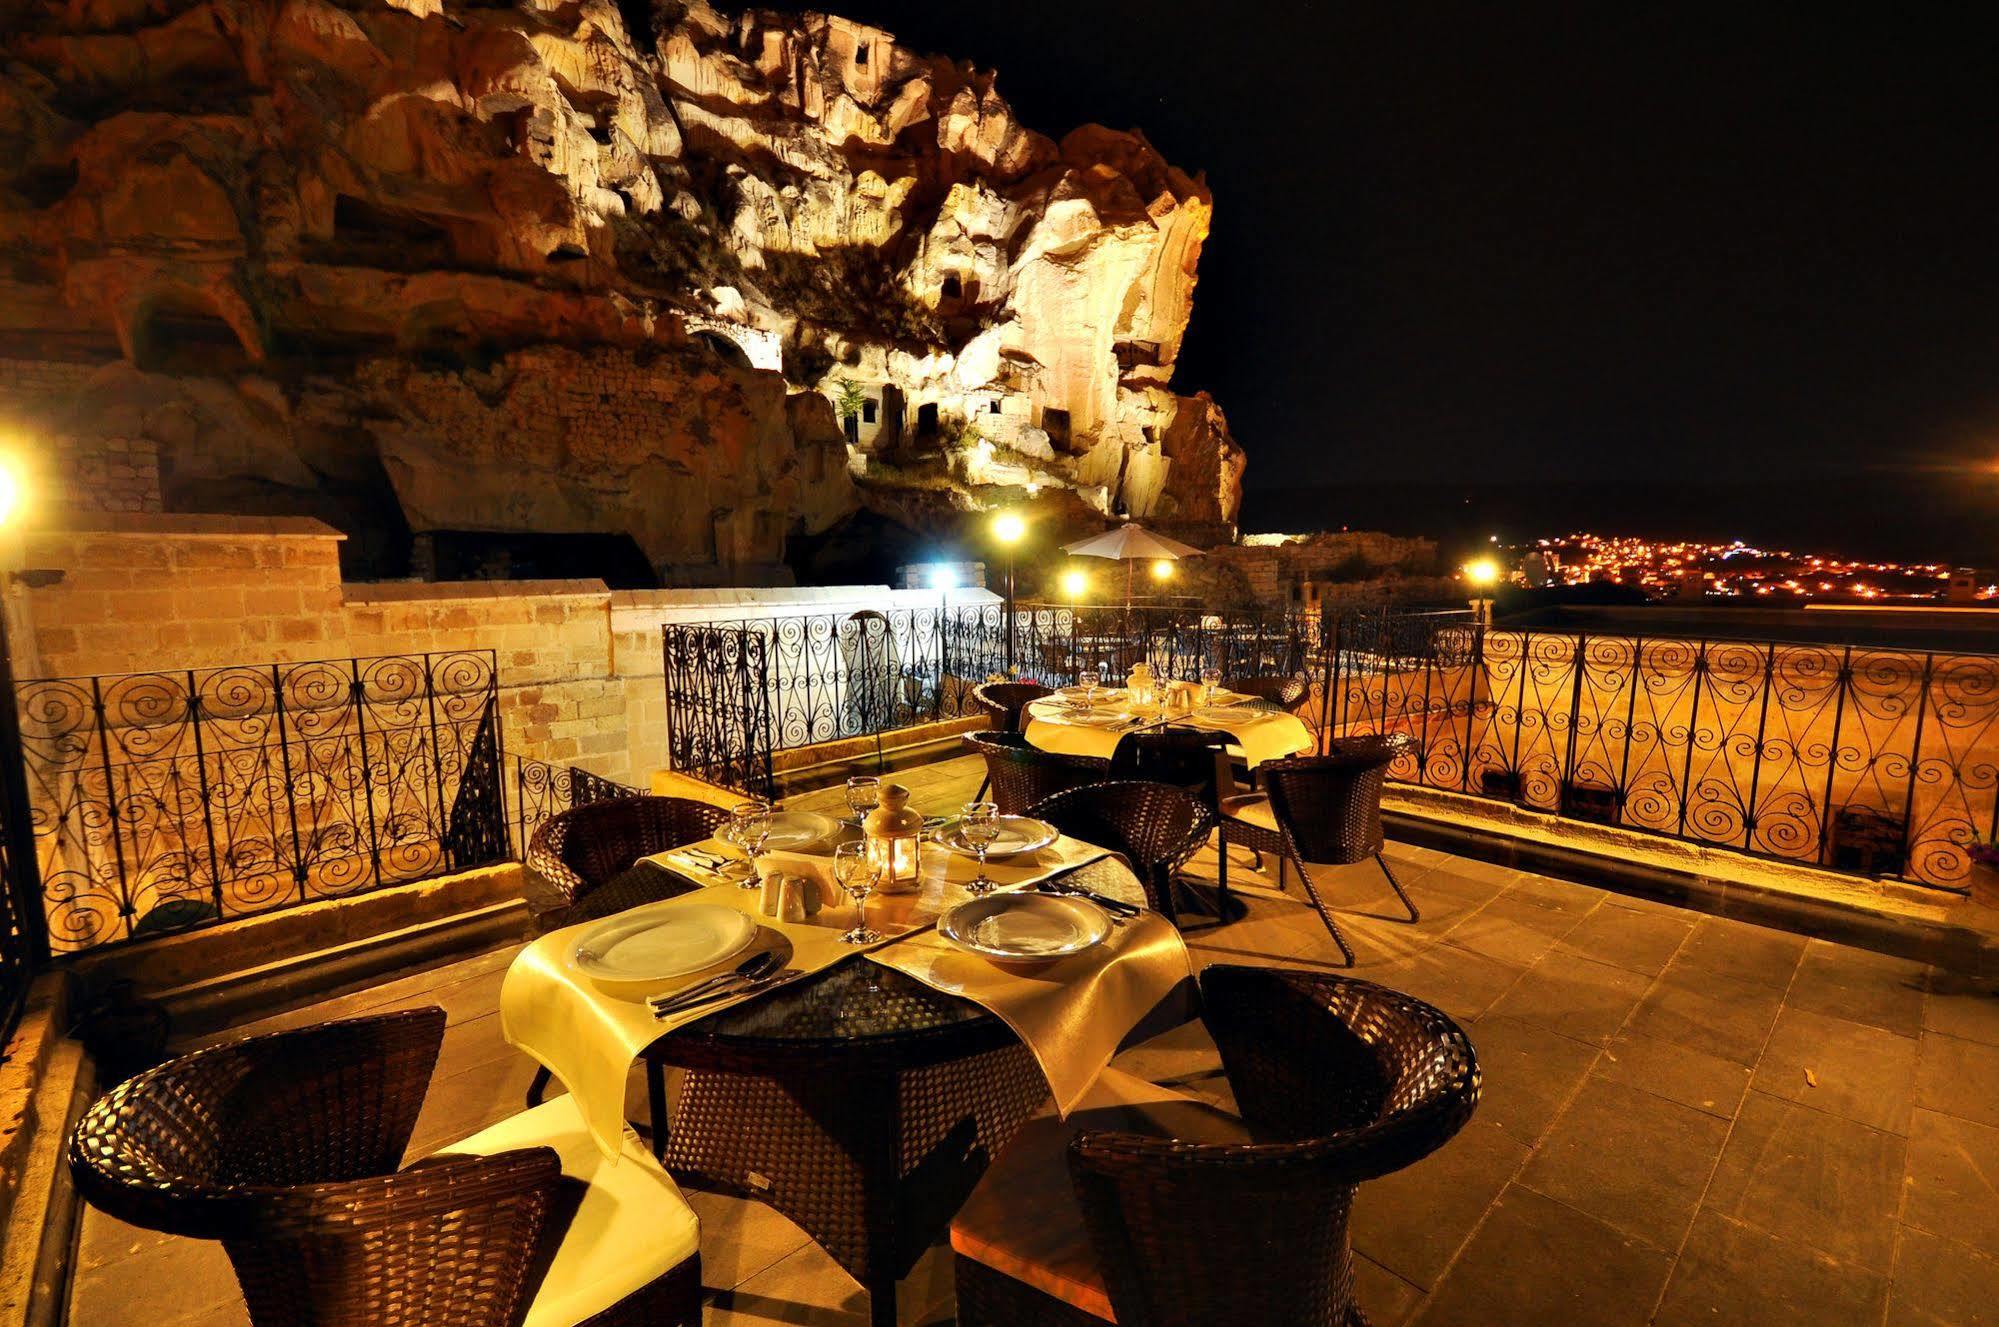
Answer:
(1075, 584)
(1481, 574)
(21, 870)
(1008, 528)
(943, 579)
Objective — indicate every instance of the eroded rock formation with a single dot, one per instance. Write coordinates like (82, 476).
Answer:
(533, 270)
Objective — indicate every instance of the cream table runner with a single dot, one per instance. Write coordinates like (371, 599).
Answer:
(1262, 734)
(588, 1036)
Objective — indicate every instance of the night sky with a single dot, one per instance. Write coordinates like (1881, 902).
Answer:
(1718, 273)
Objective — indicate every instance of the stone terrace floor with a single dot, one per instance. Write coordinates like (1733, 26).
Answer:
(1686, 1120)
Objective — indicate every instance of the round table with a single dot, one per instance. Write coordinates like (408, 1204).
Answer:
(860, 1103)
(1260, 729)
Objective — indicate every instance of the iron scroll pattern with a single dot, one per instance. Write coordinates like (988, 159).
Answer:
(1870, 760)
(168, 800)
(542, 791)
(718, 717)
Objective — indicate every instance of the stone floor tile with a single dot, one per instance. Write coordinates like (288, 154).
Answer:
(1536, 1261)
(1413, 1221)
(741, 1239)
(1813, 1178)
(1557, 895)
(102, 1238)
(1627, 938)
(1678, 1073)
(1386, 1298)
(1953, 1179)
(1511, 930)
(1474, 882)
(1575, 996)
(1852, 1069)
(1721, 1015)
(1457, 981)
(1861, 986)
(1529, 1074)
(461, 1103)
(1734, 1275)
(1962, 1006)
(808, 1289)
(1743, 952)
(1941, 1283)
(175, 1279)
(1958, 1077)
(1637, 1162)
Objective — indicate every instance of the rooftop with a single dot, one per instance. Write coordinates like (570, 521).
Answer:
(1686, 1119)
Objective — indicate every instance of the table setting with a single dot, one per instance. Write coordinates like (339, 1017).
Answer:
(976, 906)
(1090, 719)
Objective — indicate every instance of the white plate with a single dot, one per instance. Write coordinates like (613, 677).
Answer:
(1017, 834)
(1225, 715)
(661, 941)
(1025, 928)
(1096, 718)
(796, 831)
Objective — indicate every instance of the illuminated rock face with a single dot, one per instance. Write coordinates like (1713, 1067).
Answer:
(411, 205)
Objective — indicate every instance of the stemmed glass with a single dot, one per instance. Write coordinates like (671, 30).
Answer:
(856, 872)
(1090, 679)
(1211, 681)
(863, 793)
(749, 830)
(979, 825)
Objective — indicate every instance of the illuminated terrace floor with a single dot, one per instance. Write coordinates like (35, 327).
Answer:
(1686, 1120)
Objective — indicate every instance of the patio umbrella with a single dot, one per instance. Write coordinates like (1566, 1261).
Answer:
(1131, 545)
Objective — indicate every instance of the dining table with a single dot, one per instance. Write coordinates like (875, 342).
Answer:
(1076, 723)
(865, 1091)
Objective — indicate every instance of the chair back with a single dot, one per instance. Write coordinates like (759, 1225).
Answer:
(1339, 1081)
(1190, 758)
(285, 1148)
(1290, 692)
(1006, 702)
(1023, 776)
(1155, 825)
(580, 849)
(1330, 805)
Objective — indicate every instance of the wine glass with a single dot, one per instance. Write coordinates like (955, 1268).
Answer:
(863, 793)
(1090, 679)
(1211, 681)
(749, 830)
(856, 872)
(978, 825)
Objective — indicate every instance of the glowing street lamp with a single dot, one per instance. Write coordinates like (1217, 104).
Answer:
(1481, 574)
(1009, 528)
(1075, 584)
(1162, 570)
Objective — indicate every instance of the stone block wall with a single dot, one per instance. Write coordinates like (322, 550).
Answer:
(83, 471)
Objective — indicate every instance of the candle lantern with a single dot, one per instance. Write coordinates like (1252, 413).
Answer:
(894, 835)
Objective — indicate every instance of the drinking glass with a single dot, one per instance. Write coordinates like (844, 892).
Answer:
(863, 793)
(1090, 679)
(856, 873)
(749, 830)
(1211, 681)
(979, 825)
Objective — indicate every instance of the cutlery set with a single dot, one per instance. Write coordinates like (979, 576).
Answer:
(754, 973)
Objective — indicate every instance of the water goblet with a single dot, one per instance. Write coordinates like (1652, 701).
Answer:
(856, 872)
(1211, 681)
(749, 830)
(863, 793)
(978, 826)
(1090, 679)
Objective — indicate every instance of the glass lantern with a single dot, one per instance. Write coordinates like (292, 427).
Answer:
(894, 835)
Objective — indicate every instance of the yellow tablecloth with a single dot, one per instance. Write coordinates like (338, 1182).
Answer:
(588, 1035)
(1262, 734)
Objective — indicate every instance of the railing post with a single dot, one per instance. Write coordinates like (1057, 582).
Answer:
(437, 752)
(285, 760)
(357, 692)
(1832, 757)
(1630, 715)
(1329, 714)
(1756, 759)
(111, 800)
(1693, 738)
(1575, 713)
(201, 782)
(1915, 762)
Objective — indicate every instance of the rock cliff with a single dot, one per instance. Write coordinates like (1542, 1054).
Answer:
(708, 279)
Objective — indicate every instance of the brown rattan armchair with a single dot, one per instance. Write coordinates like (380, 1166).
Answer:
(1324, 809)
(1171, 1217)
(1021, 775)
(285, 1148)
(589, 847)
(1005, 704)
(1155, 825)
(1289, 692)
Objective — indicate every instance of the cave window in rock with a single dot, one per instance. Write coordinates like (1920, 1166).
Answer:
(386, 238)
(926, 420)
(185, 335)
(1055, 423)
(728, 351)
(953, 288)
(860, 55)
(993, 406)
(868, 411)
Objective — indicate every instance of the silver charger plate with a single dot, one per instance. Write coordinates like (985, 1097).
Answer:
(1017, 835)
(1025, 928)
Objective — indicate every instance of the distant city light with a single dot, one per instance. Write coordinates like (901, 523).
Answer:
(1669, 569)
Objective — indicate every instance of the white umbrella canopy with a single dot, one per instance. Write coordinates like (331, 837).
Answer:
(1131, 545)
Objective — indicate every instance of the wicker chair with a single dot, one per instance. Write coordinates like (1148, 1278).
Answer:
(1171, 1218)
(1289, 692)
(584, 849)
(1021, 775)
(285, 1148)
(1191, 758)
(1155, 825)
(1324, 809)
(1005, 704)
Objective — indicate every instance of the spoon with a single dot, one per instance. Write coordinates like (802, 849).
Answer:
(751, 969)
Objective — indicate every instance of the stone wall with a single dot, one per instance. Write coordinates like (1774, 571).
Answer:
(86, 471)
(1347, 566)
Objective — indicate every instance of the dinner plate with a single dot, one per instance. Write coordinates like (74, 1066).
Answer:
(1097, 718)
(795, 831)
(1025, 928)
(1017, 834)
(661, 941)
(1225, 714)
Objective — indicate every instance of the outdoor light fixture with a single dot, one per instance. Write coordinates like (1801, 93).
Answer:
(1481, 574)
(11, 488)
(943, 576)
(1162, 570)
(1075, 584)
(1008, 527)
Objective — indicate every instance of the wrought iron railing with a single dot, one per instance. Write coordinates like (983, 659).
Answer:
(1869, 760)
(542, 790)
(162, 801)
